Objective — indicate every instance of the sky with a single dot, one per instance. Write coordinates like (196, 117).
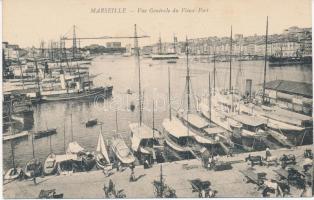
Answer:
(27, 22)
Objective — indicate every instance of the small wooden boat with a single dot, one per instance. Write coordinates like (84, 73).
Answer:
(132, 107)
(102, 158)
(50, 164)
(129, 91)
(45, 133)
(88, 159)
(33, 168)
(68, 163)
(12, 174)
(122, 151)
(91, 122)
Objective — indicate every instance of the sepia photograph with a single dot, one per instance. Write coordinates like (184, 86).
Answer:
(157, 99)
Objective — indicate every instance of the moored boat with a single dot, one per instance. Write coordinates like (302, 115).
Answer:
(64, 95)
(145, 142)
(45, 133)
(87, 158)
(182, 140)
(102, 157)
(33, 168)
(91, 122)
(122, 151)
(50, 165)
(12, 174)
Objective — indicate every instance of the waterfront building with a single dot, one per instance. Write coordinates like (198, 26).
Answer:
(296, 96)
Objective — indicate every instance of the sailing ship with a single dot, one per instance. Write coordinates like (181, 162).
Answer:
(165, 56)
(295, 127)
(247, 132)
(14, 172)
(178, 137)
(120, 149)
(72, 87)
(143, 138)
(102, 157)
(79, 90)
(33, 167)
(145, 143)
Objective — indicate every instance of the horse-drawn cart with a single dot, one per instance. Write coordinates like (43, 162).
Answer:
(203, 188)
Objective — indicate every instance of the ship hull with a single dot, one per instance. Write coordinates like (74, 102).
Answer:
(99, 93)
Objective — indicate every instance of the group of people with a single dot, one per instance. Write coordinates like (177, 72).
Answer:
(212, 160)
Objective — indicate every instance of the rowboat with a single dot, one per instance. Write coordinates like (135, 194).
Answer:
(91, 122)
(12, 174)
(33, 168)
(50, 164)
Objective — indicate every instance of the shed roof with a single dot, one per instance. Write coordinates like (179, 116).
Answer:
(291, 87)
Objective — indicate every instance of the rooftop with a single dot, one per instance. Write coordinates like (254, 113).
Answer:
(291, 87)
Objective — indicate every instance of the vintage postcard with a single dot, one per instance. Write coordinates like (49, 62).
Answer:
(157, 99)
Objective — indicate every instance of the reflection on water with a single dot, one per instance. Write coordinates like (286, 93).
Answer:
(124, 77)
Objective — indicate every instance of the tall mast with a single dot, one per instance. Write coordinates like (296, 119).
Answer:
(169, 93)
(37, 77)
(230, 59)
(209, 98)
(153, 118)
(188, 74)
(74, 42)
(174, 44)
(12, 152)
(18, 60)
(71, 128)
(161, 182)
(137, 55)
(264, 84)
(214, 69)
(33, 149)
(12, 146)
(188, 87)
(116, 121)
(50, 144)
(64, 135)
(160, 45)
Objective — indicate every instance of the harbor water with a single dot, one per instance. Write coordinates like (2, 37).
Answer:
(122, 73)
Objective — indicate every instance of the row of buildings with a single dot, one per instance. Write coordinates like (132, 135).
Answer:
(293, 42)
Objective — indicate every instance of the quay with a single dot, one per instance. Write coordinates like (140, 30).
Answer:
(228, 183)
